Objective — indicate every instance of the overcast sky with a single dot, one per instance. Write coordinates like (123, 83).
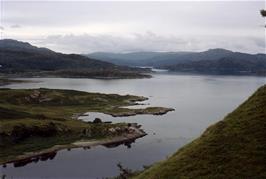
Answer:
(84, 27)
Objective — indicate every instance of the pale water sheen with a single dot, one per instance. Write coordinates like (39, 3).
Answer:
(199, 101)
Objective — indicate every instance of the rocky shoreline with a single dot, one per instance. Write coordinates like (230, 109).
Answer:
(148, 110)
(131, 112)
(134, 132)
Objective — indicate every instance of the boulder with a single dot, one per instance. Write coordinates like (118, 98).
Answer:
(97, 120)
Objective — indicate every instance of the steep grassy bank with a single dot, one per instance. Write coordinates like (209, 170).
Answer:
(34, 119)
(230, 149)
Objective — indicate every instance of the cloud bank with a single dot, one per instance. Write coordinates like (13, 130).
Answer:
(148, 41)
(83, 27)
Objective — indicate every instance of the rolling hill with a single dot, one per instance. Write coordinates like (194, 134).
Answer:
(23, 58)
(134, 58)
(213, 61)
(223, 66)
(233, 148)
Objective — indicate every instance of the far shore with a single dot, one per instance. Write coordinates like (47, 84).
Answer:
(77, 74)
(7, 81)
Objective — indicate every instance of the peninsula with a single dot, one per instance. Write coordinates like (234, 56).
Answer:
(36, 121)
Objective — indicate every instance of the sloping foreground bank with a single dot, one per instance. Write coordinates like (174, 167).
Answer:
(234, 148)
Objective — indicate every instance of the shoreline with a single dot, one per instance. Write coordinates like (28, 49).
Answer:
(113, 141)
(140, 75)
(138, 111)
(156, 111)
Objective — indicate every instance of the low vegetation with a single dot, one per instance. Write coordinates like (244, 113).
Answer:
(119, 112)
(232, 148)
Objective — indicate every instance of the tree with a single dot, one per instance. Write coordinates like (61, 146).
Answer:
(263, 13)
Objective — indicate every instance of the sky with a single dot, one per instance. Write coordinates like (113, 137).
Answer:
(86, 26)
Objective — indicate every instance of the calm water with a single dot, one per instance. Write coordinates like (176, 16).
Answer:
(199, 101)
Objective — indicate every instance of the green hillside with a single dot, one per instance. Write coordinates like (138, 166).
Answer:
(232, 148)
(22, 59)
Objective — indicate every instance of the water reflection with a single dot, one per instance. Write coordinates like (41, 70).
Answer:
(51, 155)
(35, 159)
(116, 144)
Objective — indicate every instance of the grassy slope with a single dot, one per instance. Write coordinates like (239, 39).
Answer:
(232, 148)
(61, 103)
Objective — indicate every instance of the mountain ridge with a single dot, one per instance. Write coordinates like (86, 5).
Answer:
(22, 57)
(193, 62)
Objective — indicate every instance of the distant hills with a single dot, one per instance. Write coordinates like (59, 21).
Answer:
(23, 58)
(232, 148)
(128, 59)
(213, 61)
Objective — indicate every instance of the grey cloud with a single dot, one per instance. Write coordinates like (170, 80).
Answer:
(136, 42)
(15, 26)
(138, 26)
(149, 41)
(260, 42)
(2, 28)
(172, 14)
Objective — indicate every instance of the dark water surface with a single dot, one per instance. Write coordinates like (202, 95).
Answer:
(199, 101)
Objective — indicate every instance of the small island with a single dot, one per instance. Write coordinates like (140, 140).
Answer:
(36, 122)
